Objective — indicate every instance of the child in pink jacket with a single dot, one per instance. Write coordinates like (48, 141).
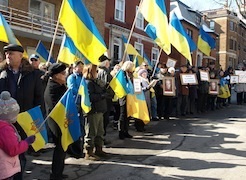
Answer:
(10, 143)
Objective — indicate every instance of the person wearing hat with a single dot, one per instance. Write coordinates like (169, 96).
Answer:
(73, 82)
(54, 90)
(34, 61)
(10, 143)
(105, 76)
(24, 84)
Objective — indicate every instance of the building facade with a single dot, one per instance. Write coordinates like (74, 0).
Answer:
(232, 39)
(34, 20)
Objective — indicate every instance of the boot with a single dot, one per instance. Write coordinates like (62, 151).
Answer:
(89, 155)
(121, 135)
(99, 152)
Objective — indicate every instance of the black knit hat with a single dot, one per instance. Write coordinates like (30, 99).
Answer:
(56, 68)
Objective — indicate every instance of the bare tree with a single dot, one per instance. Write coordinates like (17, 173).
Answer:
(240, 5)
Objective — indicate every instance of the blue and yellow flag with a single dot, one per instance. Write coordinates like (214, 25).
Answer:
(30, 121)
(119, 84)
(68, 52)
(147, 59)
(43, 53)
(136, 105)
(205, 42)
(65, 114)
(7, 34)
(179, 38)
(79, 25)
(154, 11)
(84, 93)
(130, 50)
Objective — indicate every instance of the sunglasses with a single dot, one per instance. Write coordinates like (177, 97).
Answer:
(145, 65)
(34, 60)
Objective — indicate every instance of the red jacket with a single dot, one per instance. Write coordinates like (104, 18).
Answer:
(10, 148)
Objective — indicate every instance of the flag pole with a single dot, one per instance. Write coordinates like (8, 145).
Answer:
(157, 61)
(132, 28)
(53, 41)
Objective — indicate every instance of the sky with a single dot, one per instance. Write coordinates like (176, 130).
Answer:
(201, 5)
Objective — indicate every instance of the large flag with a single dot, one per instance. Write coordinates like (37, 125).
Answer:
(84, 93)
(7, 34)
(68, 52)
(154, 11)
(65, 114)
(205, 42)
(43, 53)
(30, 121)
(136, 105)
(79, 25)
(179, 37)
(120, 84)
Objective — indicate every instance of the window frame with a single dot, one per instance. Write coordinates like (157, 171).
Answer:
(120, 10)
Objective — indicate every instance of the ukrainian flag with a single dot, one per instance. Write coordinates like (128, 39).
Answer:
(129, 48)
(119, 84)
(68, 52)
(30, 121)
(7, 34)
(79, 25)
(43, 53)
(147, 59)
(205, 42)
(179, 38)
(136, 106)
(85, 99)
(138, 60)
(65, 114)
(154, 11)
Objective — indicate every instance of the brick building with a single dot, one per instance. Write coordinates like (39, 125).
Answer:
(232, 39)
(34, 20)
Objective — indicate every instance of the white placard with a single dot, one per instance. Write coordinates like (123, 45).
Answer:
(204, 75)
(171, 63)
(188, 79)
(242, 76)
(137, 85)
(234, 79)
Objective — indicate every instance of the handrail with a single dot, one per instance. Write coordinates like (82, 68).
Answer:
(30, 22)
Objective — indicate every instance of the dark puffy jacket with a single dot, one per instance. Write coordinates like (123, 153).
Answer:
(98, 95)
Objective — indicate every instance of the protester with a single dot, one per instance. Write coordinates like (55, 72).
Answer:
(73, 82)
(128, 68)
(24, 84)
(94, 130)
(11, 144)
(34, 61)
(55, 89)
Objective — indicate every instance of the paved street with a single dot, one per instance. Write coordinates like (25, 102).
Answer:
(207, 146)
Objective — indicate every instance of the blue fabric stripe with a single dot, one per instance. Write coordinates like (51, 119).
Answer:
(38, 119)
(83, 14)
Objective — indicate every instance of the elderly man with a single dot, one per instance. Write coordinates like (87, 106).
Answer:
(34, 61)
(24, 84)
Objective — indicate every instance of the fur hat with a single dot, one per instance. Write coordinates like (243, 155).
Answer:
(9, 108)
(141, 71)
(56, 68)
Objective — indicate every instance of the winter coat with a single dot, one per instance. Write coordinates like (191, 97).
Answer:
(29, 92)
(10, 148)
(98, 95)
(52, 94)
(147, 93)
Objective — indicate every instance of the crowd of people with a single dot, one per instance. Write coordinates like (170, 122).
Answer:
(33, 83)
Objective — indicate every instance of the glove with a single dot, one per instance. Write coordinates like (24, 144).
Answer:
(30, 139)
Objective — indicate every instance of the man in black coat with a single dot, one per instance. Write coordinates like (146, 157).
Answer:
(24, 84)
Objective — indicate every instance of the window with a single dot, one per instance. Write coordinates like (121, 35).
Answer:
(120, 10)
(140, 20)
(117, 49)
(139, 48)
(233, 26)
(231, 44)
(211, 25)
(199, 60)
(42, 9)
(154, 55)
(190, 33)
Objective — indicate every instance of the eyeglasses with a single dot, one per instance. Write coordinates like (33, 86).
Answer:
(34, 59)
